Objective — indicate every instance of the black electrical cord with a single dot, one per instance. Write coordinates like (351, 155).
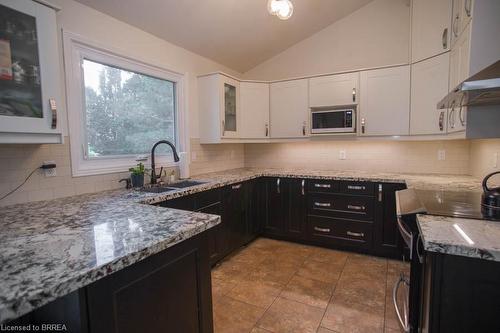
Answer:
(24, 182)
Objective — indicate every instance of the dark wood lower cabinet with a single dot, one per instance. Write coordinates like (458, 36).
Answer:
(460, 294)
(167, 292)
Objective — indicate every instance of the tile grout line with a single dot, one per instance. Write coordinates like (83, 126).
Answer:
(333, 291)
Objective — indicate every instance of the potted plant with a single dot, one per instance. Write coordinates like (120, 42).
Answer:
(137, 175)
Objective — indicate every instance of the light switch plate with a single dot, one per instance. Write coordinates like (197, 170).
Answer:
(441, 155)
(342, 155)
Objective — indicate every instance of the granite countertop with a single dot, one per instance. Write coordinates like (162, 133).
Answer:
(51, 248)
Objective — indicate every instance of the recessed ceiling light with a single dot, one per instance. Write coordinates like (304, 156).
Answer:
(281, 8)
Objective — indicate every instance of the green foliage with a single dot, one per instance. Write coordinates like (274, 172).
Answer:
(139, 170)
(128, 113)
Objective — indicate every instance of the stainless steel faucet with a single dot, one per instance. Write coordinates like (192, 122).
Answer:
(154, 177)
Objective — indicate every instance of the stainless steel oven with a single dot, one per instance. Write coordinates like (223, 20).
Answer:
(332, 120)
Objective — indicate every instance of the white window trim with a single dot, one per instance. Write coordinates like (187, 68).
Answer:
(75, 49)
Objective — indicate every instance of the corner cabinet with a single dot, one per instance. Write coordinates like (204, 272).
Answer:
(219, 98)
(30, 90)
(290, 109)
(385, 101)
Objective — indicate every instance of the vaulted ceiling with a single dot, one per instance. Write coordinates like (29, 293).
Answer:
(239, 34)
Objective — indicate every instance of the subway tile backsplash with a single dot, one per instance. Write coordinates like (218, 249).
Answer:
(462, 157)
(377, 156)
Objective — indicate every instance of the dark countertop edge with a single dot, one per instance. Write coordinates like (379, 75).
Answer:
(70, 285)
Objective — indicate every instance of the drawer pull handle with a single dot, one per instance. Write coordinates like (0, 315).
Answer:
(322, 229)
(356, 207)
(322, 204)
(236, 187)
(356, 187)
(323, 185)
(302, 185)
(355, 234)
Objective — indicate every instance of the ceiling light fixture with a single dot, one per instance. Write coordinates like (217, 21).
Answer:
(281, 8)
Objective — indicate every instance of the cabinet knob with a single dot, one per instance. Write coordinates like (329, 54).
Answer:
(454, 25)
(304, 128)
(278, 186)
(322, 229)
(363, 125)
(267, 129)
(451, 116)
(354, 94)
(302, 184)
(355, 234)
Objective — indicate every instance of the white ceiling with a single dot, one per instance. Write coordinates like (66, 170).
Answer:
(239, 34)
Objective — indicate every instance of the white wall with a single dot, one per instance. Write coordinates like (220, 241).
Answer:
(17, 161)
(374, 35)
(485, 157)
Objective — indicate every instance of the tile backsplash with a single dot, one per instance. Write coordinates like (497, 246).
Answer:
(474, 157)
(377, 155)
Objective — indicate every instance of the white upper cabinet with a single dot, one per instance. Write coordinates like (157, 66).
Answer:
(333, 90)
(289, 109)
(385, 101)
(254, 105)
(30, 89)
(462, 14)
(218, 100)
(431, 24)
(460, 59)
(429, 83)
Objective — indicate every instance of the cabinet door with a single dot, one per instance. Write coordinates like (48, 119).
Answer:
(144, 297)
(385, 101)
(257, 207)
(230, 99)
(431, 21)
(235, 215)
(462, 14)
(276, 210)
(459, 59)
(295, 221)
(217, 238)
(334, 90)
(29, 74)
(388, 241)
(289, 109)
(254, 104)
(429, 84)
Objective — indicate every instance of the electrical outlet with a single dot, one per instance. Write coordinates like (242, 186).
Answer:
(441, 155)
(342, 155)
(193, 156)
(49, 172)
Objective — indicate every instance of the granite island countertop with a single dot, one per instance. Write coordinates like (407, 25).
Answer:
(51, 248)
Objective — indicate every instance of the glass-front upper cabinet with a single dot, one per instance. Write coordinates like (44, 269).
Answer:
(230, 106)
(30, 90)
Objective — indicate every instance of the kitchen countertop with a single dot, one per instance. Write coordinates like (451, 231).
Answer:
(51, 248)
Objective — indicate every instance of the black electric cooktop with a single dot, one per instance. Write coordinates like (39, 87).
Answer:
(465, 204)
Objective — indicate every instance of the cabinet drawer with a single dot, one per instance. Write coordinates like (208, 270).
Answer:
(343, 206)
(207, 198)
(322, 185)
(361, 188)
(341, 232)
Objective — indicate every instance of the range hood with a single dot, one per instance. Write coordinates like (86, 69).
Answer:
(480, 89)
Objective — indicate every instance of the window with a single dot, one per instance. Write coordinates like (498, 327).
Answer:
(118, 108)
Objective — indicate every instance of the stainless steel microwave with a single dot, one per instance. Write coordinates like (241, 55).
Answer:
(330, 120)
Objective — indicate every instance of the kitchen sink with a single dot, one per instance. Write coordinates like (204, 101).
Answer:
(157, 189)
(185, 183)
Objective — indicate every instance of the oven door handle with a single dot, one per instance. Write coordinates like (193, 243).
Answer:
(406, 235)
(403, 318)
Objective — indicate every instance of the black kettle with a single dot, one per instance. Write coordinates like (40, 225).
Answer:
(490, 200)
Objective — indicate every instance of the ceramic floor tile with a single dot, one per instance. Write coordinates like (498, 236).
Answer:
(221, 288)
(234, 316)
(259, 330)
(320, 271)
(290, 316)
(324, 330)
(328, 256)
(308, 291)
(353, 318)
(370, 293)
(256, 292)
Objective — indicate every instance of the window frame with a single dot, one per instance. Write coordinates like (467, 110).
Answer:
(76, 49)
